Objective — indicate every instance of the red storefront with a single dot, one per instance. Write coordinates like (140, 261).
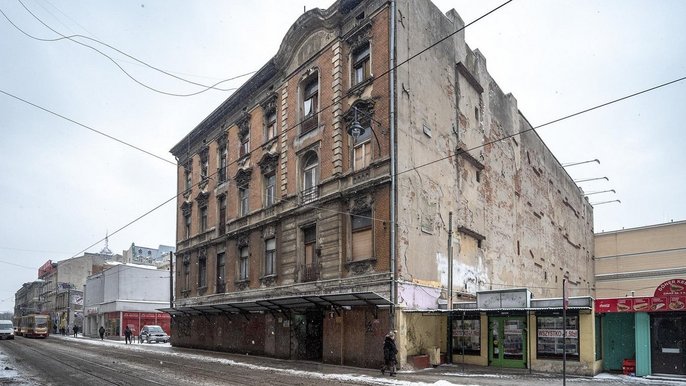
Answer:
(658, 323)
(136, 320)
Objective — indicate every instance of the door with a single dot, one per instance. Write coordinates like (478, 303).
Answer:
(507, 341)
(619, 339)
(307, 335)
(668, 350)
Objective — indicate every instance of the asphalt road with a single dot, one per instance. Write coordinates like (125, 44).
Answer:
(64, 361)
(61, 360)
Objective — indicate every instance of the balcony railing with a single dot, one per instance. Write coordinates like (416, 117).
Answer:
(310, 272)
(310, 194)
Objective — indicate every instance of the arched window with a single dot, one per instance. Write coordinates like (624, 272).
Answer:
(310, 177)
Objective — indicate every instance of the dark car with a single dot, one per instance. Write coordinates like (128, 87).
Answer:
(153, 333)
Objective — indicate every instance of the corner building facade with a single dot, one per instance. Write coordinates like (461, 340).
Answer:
(312, 210)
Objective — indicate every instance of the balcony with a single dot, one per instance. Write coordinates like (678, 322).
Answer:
(310, 272)
(309, 195)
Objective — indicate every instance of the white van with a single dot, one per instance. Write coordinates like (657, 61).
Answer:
(6, 329)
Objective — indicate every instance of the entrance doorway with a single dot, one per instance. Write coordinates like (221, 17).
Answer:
(668, 350)
(507, 341)
(308, 330)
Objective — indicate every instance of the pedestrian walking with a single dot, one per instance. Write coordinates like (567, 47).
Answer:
(102, 332)
(127, 335)
(389, 354)
(76, 330)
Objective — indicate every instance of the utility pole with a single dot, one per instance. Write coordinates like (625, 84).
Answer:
(171, 279)
(450, 288)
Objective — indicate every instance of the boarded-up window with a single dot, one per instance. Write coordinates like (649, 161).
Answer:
(361, 226)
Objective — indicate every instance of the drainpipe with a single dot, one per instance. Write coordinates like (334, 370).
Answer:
(171, 279)
(391, 45)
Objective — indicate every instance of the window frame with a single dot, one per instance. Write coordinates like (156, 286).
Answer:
(270, 126)
(572, 330)
(460, 335)
(361, 64)
(270, 257)
(244, 200)
(202, 214)
(202, 272)
(220, 268)
(243, 263)
(223, 153)
(269, 190)
(365, 224)
(221, 204)
(187, 225)
(310, 176)
(310, 93)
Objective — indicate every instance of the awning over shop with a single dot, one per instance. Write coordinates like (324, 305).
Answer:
(283, 304)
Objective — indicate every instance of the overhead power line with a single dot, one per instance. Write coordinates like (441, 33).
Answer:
(450, 155)
(71, 38)
(87, 127)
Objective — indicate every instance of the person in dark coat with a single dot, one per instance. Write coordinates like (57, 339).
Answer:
(389, 354)
(102, 332)
(127, 335)
(76, 330)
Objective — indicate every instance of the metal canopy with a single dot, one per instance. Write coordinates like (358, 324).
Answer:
(354, 299)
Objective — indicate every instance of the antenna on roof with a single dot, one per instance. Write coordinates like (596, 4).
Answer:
(106, 250)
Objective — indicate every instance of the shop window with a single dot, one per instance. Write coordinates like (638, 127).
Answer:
(467, 336)
(361, 64)
(310, 106)
(550, 343)
(243, 261)
(270, 257)
(361, 237)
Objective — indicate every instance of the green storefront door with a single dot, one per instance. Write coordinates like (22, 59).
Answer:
(507, 341)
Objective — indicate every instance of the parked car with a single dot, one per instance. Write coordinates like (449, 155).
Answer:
(6, 329)
(153, 333)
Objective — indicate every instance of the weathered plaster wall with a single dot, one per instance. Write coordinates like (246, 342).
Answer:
(518, 218)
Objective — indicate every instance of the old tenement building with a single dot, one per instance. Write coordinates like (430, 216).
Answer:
(315, 203)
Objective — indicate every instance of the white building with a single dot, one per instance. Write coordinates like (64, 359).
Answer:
(125, 294)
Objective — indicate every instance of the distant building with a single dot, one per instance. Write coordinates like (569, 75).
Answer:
(126, 294)
(335, 196)
(27, 300)
(640, 276)
(137, 254)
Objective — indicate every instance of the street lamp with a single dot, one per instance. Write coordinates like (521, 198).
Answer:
(356, 130)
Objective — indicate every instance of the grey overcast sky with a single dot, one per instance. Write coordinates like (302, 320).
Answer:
(64, 186)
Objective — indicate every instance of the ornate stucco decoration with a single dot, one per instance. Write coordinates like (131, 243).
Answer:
(360, 203)
(243, 177)
(202, 198)
(269, 104)
(223, 139)
(242, 240)
(268, 163)
(186, 259)
(243, 124)
(202, 254)
(186, 208)
(268, 232)
(359, 36)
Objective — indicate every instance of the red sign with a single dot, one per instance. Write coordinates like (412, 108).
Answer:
(644, 304)
(671, 288)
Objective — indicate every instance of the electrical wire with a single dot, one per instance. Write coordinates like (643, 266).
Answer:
(423, 165)
(71, 38)
(87, 127)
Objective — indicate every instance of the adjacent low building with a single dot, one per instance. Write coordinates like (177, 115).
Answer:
(126, 295)
(641, 290)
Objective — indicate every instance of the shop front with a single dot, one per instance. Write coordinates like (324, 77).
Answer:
(648, 330)
(509, 329)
